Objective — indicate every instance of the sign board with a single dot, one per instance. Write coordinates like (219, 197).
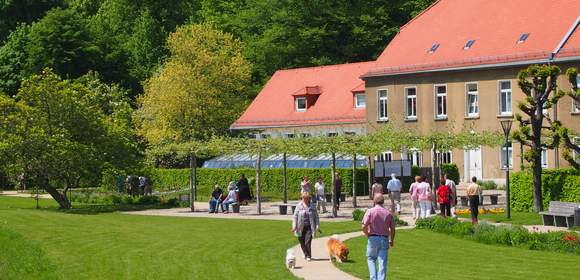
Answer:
(400, 168)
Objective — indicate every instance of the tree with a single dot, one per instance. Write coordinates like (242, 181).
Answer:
(539, 84)
(15, 12)
(570, 146)
(199, 91)
(61, 41)
(57, 137)
(13, 59)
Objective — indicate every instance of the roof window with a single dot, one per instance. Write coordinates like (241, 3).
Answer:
(468, 44)
(434, 48)
(523, 37)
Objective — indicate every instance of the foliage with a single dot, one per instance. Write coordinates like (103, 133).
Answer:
(569, 146)
(539, 84)
(200, 89)
(516, 236)
(13, 60)
(358, 214)
(23, 259)
(16, 12)
(487, 185)
(271, 179)
(451, 170)
(58, 136)
(555, 187)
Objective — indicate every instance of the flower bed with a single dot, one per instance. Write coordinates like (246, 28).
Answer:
(481, 211)
(514, 236)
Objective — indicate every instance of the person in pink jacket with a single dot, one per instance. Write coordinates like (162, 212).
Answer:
(414, 200)
(424, 197)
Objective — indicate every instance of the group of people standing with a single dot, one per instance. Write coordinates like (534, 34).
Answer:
(318, 193)
(422, 197)
(239, 192)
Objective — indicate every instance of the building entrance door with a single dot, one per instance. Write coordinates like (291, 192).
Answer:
(472, 164)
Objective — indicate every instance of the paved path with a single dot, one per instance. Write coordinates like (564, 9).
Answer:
(320, 268)
(23, 194)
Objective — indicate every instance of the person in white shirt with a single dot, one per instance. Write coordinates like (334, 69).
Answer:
(414, 199)
(394, 186)
(320, 197)
(231, 198)
(451, 184)
(424, 197)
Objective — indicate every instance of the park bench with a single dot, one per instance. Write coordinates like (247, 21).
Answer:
(492, 197)
(560, 214)
(284, 207)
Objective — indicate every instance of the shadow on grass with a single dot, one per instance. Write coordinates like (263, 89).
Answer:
(94, 209)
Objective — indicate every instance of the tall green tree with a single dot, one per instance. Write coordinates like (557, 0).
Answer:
(15, 12)
(13, 59)
(539, 84)
(58, 137)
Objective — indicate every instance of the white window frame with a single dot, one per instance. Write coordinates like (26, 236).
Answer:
(305, 135)
(386, 156)
(468, 104)
(575, 104)
(384, 99)
(436, 95)
(356, 100)
(350, 133)
(296, 104)
(289, 135)
(510, 154)
(407, 115)
(265, 135)
(500, 99)
(544, 158)
(331, 134)
(439, 156)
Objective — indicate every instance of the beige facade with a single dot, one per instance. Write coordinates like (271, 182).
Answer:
(486, 85)
(311, 130)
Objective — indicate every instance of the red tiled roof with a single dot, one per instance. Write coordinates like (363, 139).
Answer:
(572, 45)
(495, 25)
(333, 84)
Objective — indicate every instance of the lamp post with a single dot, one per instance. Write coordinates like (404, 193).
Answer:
(507, 126)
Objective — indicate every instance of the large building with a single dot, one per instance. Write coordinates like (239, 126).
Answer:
(456, 65)
(325, 100)
(453, 66)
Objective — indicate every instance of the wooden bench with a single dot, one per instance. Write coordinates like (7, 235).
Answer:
(492, 198)
(284, 208)
(560, 214)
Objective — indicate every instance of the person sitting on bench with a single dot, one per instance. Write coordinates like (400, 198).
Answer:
(231, 198)
(215, 200)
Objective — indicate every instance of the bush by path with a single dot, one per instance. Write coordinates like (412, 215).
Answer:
(514, 236)
(557, 184)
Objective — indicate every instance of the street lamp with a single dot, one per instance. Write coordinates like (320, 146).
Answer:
(506, 125)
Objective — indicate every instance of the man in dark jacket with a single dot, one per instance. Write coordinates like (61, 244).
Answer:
(337, 190)
(244, 189)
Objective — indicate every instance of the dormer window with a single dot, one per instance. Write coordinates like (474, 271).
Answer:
(468, 44)
(434, 48)
(360, 100)
(300, 104)
(523, 37)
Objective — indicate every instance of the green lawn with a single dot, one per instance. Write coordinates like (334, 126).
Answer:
(517, 218)
(117, 246)
(420, 254)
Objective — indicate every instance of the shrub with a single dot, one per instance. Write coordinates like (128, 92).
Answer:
(567, 242)
(488, 185)
(271, 180)
(555, 187)
(451, 170)
(357, 215)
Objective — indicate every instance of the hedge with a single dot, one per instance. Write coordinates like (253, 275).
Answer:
(451, 170)
(557, 185)
(272, 182)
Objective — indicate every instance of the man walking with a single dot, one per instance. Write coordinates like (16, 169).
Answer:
(451, 184)
(379, 226)
(394, 186)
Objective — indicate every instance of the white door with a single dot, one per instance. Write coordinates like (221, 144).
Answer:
(472, 164)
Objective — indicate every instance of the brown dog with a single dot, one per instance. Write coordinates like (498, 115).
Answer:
(337, 249)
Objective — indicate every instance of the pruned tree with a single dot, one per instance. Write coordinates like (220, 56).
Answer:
(539, 84)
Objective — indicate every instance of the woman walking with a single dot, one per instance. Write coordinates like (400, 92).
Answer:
(414, 201)
(320, 196)
(424, 197)
(474, 194)
(305, 223)
(305, 185)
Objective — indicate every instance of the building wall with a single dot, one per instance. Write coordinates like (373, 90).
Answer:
(488, 118)
(314, 130)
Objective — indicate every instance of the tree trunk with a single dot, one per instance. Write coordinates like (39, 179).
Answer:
(334, 202)
(354, 181)
(537, 161)
(192, 177)
(284, 165)
(61, 199)
(370, 175)
(435, 172)
(258, 195)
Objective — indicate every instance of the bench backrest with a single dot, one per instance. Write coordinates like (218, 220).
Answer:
(563, 207)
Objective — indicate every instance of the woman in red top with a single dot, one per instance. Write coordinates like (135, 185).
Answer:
(443, 197)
